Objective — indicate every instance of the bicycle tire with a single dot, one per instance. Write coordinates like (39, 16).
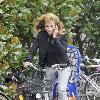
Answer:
(89, 88)
(4, 97)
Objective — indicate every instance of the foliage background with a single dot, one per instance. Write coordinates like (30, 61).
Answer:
(18, 17)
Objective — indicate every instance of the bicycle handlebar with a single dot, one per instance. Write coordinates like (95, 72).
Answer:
(59, 66)
(55, 66)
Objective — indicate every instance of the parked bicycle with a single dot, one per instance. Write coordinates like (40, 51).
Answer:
(91, 84)
(77, 77)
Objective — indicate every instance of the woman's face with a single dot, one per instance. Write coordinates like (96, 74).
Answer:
(50, 27)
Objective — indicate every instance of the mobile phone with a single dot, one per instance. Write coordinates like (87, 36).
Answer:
(53, 30)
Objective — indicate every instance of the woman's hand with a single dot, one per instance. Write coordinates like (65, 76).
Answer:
(27, 64)
(55, 33)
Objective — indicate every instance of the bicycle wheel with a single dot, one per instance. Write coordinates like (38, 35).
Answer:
(4, 97)
(90, 91)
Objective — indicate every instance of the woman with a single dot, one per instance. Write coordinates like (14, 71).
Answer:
(51, 42)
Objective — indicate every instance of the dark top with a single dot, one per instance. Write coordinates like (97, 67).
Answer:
(51, 51)
(50, 56)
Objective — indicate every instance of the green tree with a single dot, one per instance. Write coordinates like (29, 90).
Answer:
(17, 32)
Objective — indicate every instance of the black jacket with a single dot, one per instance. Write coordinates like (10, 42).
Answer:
(60, 46)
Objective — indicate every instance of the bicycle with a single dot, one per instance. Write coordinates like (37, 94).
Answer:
(91, 88)
(4, 96)
(75, 59)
